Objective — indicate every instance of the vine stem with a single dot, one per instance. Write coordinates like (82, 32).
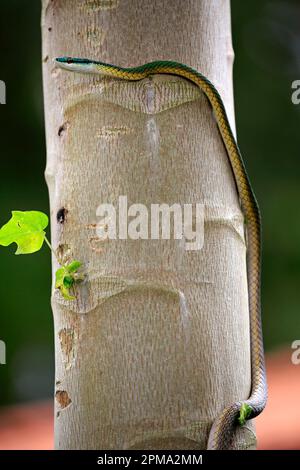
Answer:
(53, 251)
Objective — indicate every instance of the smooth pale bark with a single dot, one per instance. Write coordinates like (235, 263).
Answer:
(157, 342)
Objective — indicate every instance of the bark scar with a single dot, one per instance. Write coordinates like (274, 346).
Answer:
(68, 339)
(63, 398)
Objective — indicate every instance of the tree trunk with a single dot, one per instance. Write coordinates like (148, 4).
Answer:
(157, 341)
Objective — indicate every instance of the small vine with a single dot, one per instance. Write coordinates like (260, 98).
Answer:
(27, 230)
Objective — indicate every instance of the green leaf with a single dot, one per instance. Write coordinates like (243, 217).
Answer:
(68, 281)
(63, 282)
(73, 266)
(59, 277)
(65, 293)
(26, 229)
(66, 277)
(245, 413)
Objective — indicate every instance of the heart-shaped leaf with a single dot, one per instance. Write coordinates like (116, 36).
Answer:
(26, 229)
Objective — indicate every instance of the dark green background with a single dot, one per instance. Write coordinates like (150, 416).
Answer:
(266, 36)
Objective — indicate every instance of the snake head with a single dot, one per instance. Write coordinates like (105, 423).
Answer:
(75, 64)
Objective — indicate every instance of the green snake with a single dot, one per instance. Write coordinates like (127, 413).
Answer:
(222, 430)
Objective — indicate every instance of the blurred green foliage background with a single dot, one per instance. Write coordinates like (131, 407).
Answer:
(266, 37)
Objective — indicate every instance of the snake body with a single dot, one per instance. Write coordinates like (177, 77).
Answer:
(222, 431)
